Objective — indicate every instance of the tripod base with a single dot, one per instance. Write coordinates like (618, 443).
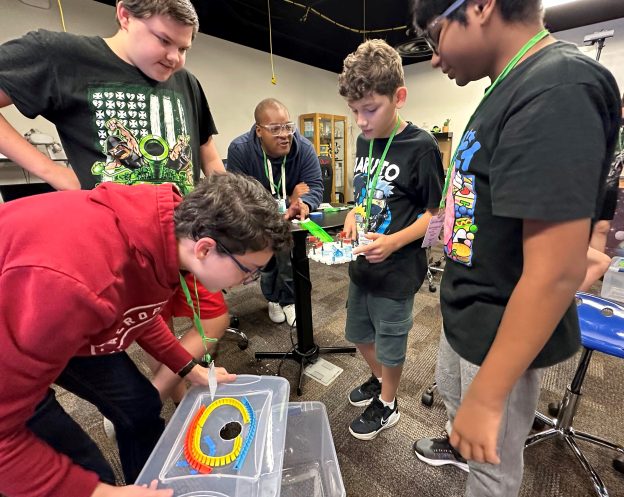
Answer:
(309, 357)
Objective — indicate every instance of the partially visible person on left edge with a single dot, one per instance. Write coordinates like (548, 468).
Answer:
(597, 261)
(285, 162)
(73, 298)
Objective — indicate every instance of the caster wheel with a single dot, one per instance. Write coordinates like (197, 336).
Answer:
(427, 399)
(553, 409)
(299, 392)
(243, 345)
(432, 288)
(618, 464)
(234, 322)
(538, 424)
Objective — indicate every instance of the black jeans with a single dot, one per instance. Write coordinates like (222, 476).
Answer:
(123, 394)
(276, 282)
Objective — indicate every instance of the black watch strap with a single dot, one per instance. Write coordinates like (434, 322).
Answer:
(187, 368)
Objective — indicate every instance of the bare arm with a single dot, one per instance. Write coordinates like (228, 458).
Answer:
(22, 153)
(554, 266)
(210, 159)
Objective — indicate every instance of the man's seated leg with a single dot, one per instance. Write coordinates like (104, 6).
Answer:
(54, 426)
(114, 384)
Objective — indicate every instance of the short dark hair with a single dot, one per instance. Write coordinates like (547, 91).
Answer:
(264, 105)
(236, 210)
(181, 11)
(424, 11)
(374, 67)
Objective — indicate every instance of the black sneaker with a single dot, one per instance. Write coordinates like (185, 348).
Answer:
(365, 393)
(375, 418)
(439, 452)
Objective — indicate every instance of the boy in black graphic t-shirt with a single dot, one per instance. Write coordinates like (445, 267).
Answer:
(527, 180)
(397, 182)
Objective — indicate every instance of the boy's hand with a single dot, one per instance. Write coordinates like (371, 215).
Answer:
(379, 250)
(349, 226)
(475, 430)
(297, 209)
(104, 490)
(199, 375)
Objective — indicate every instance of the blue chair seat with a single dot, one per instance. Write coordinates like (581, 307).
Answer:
(602, 324)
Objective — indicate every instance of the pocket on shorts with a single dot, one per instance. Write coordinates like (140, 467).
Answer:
(391, 342)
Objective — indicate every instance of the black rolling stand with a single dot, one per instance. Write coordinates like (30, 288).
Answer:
(306, 351)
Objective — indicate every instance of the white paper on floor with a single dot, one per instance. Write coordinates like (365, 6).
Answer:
(323, 371)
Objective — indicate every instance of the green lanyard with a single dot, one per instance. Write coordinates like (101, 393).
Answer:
(269, 174)
(508, 68)
(371, 185)
(197, 317)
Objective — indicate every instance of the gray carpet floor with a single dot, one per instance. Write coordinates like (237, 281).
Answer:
(387, 467)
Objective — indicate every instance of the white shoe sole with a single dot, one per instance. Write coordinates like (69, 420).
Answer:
(371, 436)
(277, 322)
(437, 462)
(361, 403)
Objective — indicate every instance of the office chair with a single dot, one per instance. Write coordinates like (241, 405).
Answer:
(327, 174)
(602, 330)
(233, 331)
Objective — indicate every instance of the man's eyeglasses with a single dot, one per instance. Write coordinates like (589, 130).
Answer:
(432, 34)
(276, 129)
(252, 274)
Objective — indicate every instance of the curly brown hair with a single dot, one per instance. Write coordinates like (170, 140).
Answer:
(374, 67)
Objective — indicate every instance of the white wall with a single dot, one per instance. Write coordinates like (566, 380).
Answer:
(433, 97)
(235, 78)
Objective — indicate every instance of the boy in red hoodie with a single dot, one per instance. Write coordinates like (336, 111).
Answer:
(73, 298)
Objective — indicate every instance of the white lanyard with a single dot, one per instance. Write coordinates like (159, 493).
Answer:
(282, 179)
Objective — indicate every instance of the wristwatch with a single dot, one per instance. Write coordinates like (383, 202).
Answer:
(187, 368)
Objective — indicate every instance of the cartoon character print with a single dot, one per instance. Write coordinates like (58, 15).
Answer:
(380, 213)
(460, 228)
(143, 137)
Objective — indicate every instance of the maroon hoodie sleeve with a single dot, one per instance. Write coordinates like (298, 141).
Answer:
(45, 317)
(159, 342)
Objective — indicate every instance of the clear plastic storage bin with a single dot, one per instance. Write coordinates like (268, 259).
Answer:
(613, 281)
(310, 463)
(230, 447)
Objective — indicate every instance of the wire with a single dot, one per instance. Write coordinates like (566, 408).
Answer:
(62, 16)
(36, 6)
(364, 20)
(340, 25)
(273, 78)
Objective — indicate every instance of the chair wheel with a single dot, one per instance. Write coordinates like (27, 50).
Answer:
(538, 424)
(427, 399)
(432, 288)
(553, 409)
(234, 322)
(243, 345)
(618, 464)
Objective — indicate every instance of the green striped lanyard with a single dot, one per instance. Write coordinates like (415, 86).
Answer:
(197, 317)
(268, 170)
(508, 68)
(371, 185)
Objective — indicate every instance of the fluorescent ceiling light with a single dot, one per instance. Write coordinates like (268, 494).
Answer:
(552, 3)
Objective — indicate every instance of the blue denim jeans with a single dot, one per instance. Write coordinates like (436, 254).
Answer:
(114, 385)
(276, 282)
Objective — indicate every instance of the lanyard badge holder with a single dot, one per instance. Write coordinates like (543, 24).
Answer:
(432, 236)
(364, 223)
(207, 360)
(268, 170)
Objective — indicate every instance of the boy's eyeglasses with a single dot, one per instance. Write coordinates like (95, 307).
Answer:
(276, 129)
(252, 274)
(432, 34)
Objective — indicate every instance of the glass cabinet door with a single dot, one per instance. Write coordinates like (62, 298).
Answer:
(339, 159)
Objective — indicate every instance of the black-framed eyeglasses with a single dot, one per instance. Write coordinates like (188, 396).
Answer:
(432, 33)
(276, 129)
(252, 274)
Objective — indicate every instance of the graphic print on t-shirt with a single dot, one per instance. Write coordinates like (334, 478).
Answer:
(380, 213)
(460, 227)
(143, 135)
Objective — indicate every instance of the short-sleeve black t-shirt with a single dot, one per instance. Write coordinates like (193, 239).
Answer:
(409, 183)
(538, 148)
(115, 123)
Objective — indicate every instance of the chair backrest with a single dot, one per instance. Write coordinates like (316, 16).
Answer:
(602, 324)
(326, 173)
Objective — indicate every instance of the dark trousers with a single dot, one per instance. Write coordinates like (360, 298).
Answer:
(276, 282)
(123, 394)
